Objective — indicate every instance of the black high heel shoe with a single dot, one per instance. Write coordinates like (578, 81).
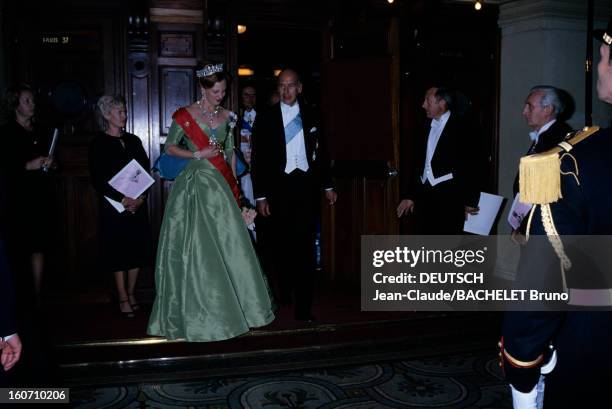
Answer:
(126, 314)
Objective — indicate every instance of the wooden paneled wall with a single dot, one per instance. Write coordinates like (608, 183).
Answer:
(176, 48)
(70, 58)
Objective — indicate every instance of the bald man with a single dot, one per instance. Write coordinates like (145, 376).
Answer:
(289, 171)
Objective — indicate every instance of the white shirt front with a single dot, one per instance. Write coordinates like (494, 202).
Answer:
(437, 126)
(296, 148)
(249, 116)
(535, 135)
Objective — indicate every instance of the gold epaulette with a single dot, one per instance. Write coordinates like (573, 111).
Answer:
(540, 174)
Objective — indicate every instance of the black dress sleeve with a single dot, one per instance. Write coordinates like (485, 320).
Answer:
(138, 152)
(14, 156)
(100, 171)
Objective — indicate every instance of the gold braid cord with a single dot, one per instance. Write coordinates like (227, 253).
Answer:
(531, 212)
(555, 241)
(574, 174)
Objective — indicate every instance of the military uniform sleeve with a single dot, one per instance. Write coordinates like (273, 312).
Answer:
(527, 335)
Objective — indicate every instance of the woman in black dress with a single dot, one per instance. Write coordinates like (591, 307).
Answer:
(125, 238)
(25, 163)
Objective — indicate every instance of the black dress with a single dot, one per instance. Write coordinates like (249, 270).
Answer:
(29, 192)
(125, 238)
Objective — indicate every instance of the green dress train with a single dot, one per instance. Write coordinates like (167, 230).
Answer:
(208, 280)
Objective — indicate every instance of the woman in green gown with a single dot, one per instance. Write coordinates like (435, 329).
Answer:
(208, 280)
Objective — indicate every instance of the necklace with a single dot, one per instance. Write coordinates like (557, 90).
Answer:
(211, 118)
(211, 115)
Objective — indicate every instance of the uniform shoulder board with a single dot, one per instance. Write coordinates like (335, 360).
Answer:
(540, 174)
(581, 134)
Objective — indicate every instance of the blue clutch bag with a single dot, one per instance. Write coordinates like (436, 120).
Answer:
(168, 166)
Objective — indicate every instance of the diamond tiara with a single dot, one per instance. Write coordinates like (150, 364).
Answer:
(209, 69)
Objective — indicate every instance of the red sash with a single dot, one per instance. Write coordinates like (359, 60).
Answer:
(201, 140)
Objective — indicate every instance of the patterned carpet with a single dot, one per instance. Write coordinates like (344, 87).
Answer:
(460, 380)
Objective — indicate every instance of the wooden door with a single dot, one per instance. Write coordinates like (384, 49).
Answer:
(360, 110)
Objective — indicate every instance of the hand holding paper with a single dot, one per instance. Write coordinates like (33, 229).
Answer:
(132, 181)
(482, 222)
(517, 213)
(49, 160)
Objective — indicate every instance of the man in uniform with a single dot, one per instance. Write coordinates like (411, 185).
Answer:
(569, 350)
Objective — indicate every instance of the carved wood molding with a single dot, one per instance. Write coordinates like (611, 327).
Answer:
(177, 62)
(180, 16)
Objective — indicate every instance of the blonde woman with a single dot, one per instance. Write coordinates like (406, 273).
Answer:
(125, 239)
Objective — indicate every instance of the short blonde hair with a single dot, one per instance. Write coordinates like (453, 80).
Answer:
(104, 105)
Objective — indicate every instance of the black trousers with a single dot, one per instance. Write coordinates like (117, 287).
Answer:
(293, 223)
(439, 209)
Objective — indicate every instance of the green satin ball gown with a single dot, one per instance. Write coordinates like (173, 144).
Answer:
(209, 284)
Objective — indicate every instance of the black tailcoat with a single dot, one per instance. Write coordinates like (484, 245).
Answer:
(439, 209)
(294, 200)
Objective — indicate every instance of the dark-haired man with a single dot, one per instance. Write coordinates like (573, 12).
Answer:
(442, 189)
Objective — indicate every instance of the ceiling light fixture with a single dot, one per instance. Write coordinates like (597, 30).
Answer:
(245, 72)
(478, 5)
